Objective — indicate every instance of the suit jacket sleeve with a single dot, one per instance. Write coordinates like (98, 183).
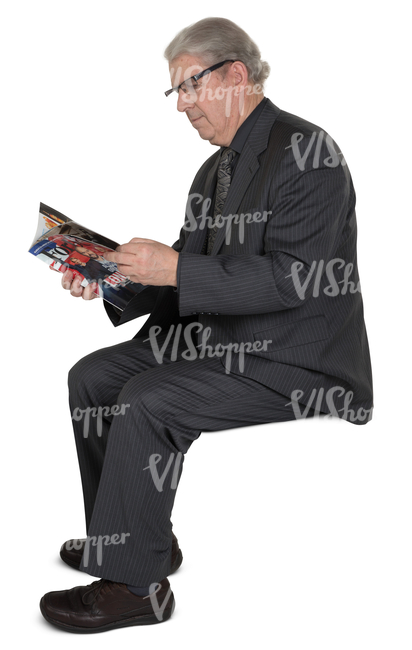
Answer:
(143, 303)
(310, 209)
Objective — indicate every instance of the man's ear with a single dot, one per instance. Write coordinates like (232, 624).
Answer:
(240, 73)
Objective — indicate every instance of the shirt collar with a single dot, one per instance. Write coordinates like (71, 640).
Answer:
(246, 127)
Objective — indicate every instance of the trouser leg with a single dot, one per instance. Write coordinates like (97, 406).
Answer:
(94, 386)
(170, 405)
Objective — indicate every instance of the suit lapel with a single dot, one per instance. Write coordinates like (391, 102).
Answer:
(196, 238)
(247, 167)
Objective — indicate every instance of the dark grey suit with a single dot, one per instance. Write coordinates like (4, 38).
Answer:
(281, 283)
(244, 291)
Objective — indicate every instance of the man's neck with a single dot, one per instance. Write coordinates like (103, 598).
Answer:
(250, 106)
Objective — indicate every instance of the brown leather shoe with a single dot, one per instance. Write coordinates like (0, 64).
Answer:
(105, 605)
(71, 552)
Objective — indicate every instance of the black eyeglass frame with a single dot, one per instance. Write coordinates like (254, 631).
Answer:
(197, 76)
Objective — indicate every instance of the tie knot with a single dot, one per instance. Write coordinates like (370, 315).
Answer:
(227, 156)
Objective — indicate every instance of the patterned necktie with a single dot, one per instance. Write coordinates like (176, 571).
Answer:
(224, 174)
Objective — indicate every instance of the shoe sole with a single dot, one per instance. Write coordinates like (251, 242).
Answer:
(73, 565)
(147, 619)
(178, 561)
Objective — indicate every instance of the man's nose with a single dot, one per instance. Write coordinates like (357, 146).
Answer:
(184, 101)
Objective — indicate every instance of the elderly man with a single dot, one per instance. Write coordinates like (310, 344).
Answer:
(256, 316)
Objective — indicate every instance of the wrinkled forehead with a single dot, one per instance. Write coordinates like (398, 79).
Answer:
(183, 67)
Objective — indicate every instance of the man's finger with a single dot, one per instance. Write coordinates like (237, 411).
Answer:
(67, 279)
(76, 289)
(133, 248)
(137, 279)
(126, 259)
(138, 240)
(125, 270)
(88, 292)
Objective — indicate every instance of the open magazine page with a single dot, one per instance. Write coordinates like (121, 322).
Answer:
(64, 244)
(48, 219)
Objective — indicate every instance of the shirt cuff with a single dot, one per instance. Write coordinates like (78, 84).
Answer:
(176, 289)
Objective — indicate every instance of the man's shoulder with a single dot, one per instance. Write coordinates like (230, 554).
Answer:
(295, 122)
(276, 128)
(303, 139)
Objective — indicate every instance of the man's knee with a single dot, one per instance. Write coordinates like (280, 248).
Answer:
(88, 370)
(135, 392)
(148, 392)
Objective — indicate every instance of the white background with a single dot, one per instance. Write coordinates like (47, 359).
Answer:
(311, 549)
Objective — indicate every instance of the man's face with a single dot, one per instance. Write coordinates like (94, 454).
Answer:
(87, 252)
(76, 261)
(207, 108)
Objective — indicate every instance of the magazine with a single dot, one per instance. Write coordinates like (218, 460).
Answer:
(64, 244)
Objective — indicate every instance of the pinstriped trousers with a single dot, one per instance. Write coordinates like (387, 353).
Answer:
(131, 450)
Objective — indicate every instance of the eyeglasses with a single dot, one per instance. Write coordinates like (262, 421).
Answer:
(190, 83)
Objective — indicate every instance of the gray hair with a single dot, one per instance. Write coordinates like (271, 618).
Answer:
(218, 39)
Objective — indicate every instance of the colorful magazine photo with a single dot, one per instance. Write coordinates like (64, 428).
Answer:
(64, 244)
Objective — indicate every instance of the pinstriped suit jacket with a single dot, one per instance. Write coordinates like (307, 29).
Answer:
(289, 276)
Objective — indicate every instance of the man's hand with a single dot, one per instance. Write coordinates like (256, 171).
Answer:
(146, 261)
(73, 284)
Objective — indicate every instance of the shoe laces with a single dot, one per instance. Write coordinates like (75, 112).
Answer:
(95, 589)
